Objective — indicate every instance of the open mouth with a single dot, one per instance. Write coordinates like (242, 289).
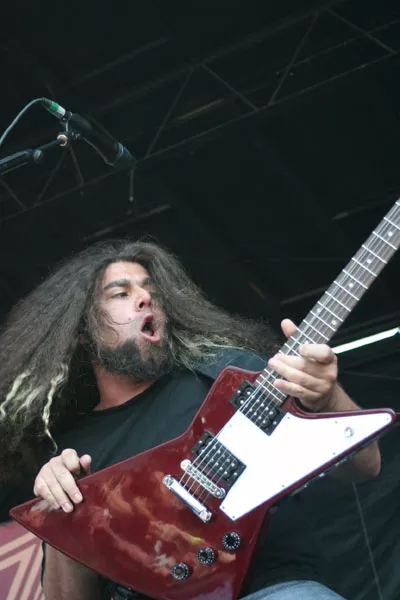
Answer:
(149, 329)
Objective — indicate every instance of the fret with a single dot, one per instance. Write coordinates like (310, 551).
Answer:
(291, 349)
(338, 301)
(348, 285)
(307, 337)
(383, 240)
(273, 391)
(346, 291)
(321, 319)
(391, 222)
(355, 279)
(374, 245)
(389, 227)
(373, 254)
(332, 313)
(363, 266)
(319, 332)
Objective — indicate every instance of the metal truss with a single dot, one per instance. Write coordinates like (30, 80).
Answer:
(184, 76)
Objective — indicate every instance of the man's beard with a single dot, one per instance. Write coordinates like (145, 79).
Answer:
(127, 359)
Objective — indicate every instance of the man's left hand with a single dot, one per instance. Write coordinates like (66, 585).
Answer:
(310, 377)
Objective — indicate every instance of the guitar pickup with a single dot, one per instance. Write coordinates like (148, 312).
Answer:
(242, 394)
(262, 411)
(217, 460)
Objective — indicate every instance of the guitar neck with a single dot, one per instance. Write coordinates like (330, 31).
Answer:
(332, 309)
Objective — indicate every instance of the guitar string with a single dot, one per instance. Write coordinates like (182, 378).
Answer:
(375, 245)
(366, 250)
(371, 248)
(253, 415)
(343, 292)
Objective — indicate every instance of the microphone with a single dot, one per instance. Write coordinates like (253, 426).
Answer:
(112, 152)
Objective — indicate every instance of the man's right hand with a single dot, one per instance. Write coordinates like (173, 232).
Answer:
(55, 482)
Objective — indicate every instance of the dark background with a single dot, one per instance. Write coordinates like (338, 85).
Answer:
(266, 136)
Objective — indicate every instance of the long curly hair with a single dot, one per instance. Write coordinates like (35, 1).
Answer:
(45, 373)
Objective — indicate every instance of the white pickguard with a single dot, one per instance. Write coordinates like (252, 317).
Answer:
(297, 448)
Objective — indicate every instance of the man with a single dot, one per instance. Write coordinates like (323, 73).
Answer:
(114, 354)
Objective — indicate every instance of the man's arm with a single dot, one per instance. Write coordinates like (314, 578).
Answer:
(65, 579)
(367, 462)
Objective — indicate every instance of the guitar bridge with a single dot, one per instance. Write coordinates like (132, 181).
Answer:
(205, 482)
(180, 492)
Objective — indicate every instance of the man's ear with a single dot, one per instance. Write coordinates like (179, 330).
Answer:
(82, 339)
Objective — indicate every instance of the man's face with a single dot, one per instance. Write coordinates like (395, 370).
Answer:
(137, 344)
(127, 299)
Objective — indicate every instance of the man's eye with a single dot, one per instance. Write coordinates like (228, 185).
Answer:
(120, 295)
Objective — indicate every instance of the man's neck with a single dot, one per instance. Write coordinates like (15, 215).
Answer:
(115, 390)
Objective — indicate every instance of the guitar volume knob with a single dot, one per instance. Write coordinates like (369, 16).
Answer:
(231, 541)
(180, 571)
(206, 556)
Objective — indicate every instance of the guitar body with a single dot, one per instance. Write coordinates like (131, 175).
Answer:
(131, 528)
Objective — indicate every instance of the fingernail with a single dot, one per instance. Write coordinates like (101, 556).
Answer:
(78, 497)
(67, 507)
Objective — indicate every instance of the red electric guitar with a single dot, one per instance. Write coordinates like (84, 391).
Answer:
(182, 520)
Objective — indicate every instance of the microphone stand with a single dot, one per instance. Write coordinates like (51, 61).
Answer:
(35, 156)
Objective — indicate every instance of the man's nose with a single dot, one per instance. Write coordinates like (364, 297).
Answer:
(143, 299)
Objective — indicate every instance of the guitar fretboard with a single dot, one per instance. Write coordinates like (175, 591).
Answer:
(332, 309)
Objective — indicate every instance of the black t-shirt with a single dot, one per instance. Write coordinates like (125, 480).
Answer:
(164, 411)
